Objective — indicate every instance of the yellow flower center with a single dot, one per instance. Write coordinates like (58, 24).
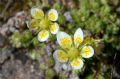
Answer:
(44, 23)
(51, 15)
(38, 14)
(73, 53)
(43, 34)
(65, 41)
(78, 39)
(86, 50)
(53, 27)
(75, 63)
(33, 24)
(62, 56)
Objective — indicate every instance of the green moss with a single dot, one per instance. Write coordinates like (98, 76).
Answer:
(50, 62)
(21, 39)
(50, 73)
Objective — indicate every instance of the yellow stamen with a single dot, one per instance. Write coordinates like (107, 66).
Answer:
(62, 56)
(65, 41)
(51, 15)
(75, 63)
(53, 27)
(43, 34)
(73, 53)
(86, 50)
(33, 24)
(44, 23)
(38, 14)
(78, 39)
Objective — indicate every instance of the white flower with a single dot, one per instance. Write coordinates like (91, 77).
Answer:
(87, 52)
(43, 35)
(37, 13)
(54, 28)
(64, 39)
(77, 63)
(78, 37)
(53, 15)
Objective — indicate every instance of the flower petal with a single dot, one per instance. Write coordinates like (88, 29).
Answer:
(27, 23)
(87, 52)
(32, 24)
(37, 13)
(60, 56)
(64, 39)
(77, 63)
(43, 35)
(54, 28)
(53, 15)
(78, 37)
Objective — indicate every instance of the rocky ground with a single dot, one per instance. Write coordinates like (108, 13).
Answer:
(15, 62)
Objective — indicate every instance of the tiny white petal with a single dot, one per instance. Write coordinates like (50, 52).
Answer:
(60, 56)
(78, 37)
(53, 15)
(54, 28)
(64, 39)
(43, 35)
(77, 63)
(37, 13)
(64, 66)
(87, 52)
(27, 23)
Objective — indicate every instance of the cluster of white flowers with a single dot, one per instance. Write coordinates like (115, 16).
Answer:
(45, 23)
(72, 51)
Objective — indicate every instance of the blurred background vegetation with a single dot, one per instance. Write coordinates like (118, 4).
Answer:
(100, 20)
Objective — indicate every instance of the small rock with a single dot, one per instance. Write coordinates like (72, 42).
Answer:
(4, 54)
(68, 17)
